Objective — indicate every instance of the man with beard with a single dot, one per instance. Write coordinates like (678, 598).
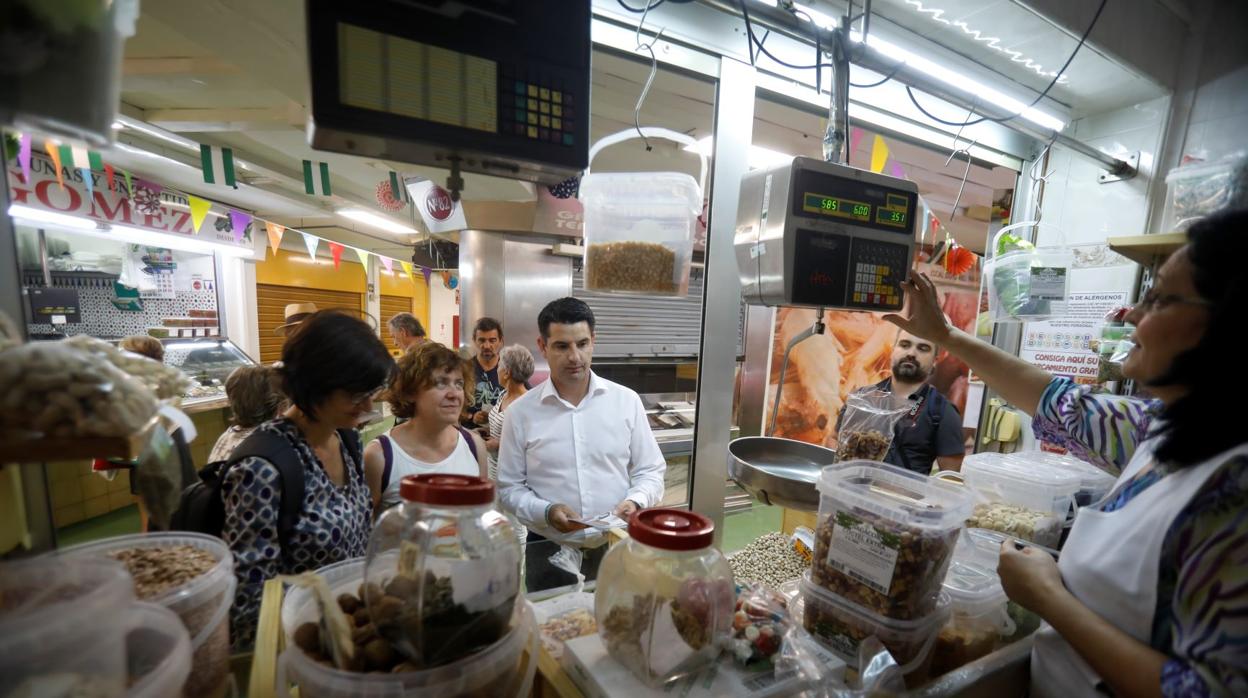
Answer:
(931, 430)
(487, 335)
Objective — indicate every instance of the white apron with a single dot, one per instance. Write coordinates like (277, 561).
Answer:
(1110, 563)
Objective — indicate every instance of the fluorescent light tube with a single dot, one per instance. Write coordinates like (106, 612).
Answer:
(368, 218)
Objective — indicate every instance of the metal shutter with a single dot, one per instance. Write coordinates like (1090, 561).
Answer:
(648, 326)
(391, 306)
(271, 303)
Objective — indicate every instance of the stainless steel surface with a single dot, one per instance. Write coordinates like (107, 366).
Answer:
(779, 471)
(509, 278)
(767, 232)
(1005, 672)
(721, 303)
(760, 322)
(204, 404)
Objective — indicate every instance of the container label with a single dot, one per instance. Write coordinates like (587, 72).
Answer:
(863, 552)
(1047, 284)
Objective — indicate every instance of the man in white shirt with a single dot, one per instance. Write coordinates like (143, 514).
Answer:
(577, 446)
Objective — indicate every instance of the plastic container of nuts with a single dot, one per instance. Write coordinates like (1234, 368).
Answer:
(841, 625)
(1024, 499)
(665, 596)
(498, 671)
(443, 571)
(192, 575)
(979, 617)
(640, 226)
(885, 536)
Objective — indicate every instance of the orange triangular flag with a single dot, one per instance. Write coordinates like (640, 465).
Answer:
(275, 235)
(54, 152)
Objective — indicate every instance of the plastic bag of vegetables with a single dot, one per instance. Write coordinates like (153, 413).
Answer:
(1026, 282)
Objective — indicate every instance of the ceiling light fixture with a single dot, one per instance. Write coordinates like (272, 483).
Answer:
(992, 42)
(154, 132)
(37, 215)
(136, 236)
(758, 158)
(368, 218)
(941, 73)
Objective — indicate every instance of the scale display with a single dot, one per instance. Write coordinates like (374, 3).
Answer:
(496, 85)
(821, 234)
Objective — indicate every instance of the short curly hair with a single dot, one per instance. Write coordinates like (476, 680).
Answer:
(518, 361)
(415, 375)
(254, 395)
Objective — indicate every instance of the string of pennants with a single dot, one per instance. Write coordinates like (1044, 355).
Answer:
(145, 197)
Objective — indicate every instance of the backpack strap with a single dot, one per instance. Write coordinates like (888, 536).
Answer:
(472, 444)
(387, 451)
(275, 449)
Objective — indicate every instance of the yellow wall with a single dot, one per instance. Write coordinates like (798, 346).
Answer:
(297, 269)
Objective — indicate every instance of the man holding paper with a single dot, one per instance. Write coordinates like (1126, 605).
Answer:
(576, 447)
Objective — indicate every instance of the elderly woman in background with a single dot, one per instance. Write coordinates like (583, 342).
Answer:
(144, 345)
(515, 368)
(254, 400)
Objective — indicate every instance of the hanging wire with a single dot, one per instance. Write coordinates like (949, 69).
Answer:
(966, 173)
(654, 70)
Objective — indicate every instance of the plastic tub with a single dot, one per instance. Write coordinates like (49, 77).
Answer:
(202, 603)
(979, 617)
(158, 654)
(63, 625)
(841, 626)
(1196, 190)
(494, 671)
(885, 536)
(1019, 498)
(1094, 483)
(1026, 283)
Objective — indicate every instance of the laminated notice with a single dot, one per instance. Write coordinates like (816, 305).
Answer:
(863, 552)
(1047, 284)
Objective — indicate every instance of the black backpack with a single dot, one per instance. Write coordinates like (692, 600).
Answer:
(201, 507)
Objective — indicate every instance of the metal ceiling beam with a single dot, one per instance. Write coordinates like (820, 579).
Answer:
(779, 20)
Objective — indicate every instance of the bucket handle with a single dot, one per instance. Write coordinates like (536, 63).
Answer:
(649, 132)
(283, 686)
(1059, 243)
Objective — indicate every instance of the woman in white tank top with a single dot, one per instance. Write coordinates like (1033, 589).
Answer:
(430, 388)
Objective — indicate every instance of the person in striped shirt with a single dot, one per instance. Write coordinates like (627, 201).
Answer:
(1150, 597)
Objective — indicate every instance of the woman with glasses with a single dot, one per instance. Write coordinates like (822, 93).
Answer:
(429, 389)
(333, 368)
(1150, 596)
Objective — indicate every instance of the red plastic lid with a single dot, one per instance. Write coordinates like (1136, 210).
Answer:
(672, 529)
(452, 490)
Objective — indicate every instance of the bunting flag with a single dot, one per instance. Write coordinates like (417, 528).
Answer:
(95, 161)
(363, 255)
(275, 232)
(199, 210)
(387, 263)
(855, 139)
(310, 242)
(896, 170)
(879, 154)
(238, 223)
(23, 157)
(407, 269)
(55, 153)
(396, 189)
(218, 169)
(311, 184)
(129, 182)
(427, 272)
(82, 163)
(336, 250)
(109, 176)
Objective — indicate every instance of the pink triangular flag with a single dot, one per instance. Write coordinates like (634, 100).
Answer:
(895, 170)
(23, 157)
(387, 263)
(855, 137)
(238, 223)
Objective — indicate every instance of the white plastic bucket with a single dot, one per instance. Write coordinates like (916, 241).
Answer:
(158, 653)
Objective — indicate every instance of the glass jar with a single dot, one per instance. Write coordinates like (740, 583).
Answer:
(665, 597)
(443, 570)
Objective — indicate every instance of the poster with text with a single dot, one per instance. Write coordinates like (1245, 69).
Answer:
(1063, 346)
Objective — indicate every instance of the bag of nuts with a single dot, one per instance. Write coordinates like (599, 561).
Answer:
(865, 431)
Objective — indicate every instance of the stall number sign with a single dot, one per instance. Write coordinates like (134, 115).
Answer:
(55, 306)
(863, 552)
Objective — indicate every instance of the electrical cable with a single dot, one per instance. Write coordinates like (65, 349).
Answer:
(637, 10)
(888, 77)
(1034, 102)
(749, 31)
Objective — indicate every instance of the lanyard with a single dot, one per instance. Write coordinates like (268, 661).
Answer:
(914, 410)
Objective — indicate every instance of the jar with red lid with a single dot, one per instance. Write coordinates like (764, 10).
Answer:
(443, 570)
(665, 596)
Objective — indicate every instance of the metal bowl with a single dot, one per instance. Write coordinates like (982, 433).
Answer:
(779, 471)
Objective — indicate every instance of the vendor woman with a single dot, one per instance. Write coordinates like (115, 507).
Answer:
(1150, 597)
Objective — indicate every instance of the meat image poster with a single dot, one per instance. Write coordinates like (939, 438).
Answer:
(854, 352)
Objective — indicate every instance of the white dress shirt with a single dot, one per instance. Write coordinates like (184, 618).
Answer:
(590, 456)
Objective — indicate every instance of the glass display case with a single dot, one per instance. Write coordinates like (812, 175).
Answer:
(207, 362)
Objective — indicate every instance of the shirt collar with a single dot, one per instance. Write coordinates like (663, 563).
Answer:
(597, 386)
(887, 385)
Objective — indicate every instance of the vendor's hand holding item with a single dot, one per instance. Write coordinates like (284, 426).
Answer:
(443, 571)
(1030, 576)
(626, 508)
(665, 600)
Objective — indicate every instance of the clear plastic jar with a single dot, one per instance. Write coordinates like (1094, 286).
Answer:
(443, 570)
(665, 597)
(979, 619)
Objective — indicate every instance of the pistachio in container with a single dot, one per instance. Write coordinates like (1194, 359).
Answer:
(665, 596)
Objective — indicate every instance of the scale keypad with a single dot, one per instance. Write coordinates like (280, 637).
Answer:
(536, 108)
(877, 270)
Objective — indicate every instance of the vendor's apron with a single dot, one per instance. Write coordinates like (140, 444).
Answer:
(1110, 563)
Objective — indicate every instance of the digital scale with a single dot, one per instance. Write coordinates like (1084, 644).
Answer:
(823, 235)
(498, 87)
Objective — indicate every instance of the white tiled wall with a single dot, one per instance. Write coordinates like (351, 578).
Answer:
(1219, 117)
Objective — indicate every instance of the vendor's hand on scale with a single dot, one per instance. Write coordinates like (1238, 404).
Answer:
(1148, 597)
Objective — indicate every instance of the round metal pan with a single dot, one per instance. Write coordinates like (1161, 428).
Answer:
(779, 471)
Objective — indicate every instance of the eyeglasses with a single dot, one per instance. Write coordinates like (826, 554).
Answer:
(1155, 301)
(369, 397)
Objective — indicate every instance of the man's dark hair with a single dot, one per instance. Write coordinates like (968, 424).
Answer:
(332, 350)
(487, 324)
(565, 311)
(1200, 425)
